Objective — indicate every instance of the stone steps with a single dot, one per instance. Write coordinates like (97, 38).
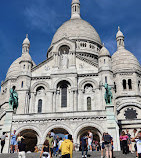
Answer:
(75, 155)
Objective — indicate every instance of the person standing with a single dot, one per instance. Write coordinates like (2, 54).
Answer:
(84, 146)
(67, 147)
(51, 142)
(107, 144)
(129, 142)
(102, 146)
(13, 142)
(19, 138)
(123, 139)
(135, 145)
(59, 144)
(4, 135)
(21, 149)
(90, 139)
(45, 153)
(137, 138)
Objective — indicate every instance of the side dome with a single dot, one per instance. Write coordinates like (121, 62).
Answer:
(104, 52)
(77, 29)
(123, 60)
(14, 69)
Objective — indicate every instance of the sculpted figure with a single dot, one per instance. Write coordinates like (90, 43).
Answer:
(108, 94)
(13, 100)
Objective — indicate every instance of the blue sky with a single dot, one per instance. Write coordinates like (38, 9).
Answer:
(41, 18)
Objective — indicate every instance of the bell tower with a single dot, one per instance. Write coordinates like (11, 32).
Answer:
(75, 9)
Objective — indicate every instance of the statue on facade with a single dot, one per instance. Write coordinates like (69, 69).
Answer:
(13, 100)
(64, 61)
(108, 94)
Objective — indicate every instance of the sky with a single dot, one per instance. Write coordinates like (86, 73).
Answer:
(41, 18)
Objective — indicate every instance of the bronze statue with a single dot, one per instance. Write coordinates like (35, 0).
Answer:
(108, 94)
(13, 100)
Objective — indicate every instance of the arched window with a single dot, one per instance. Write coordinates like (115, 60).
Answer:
(75, 8)
(124, 84)
(88, 88)
(63, 86)
(139, 85)
(22, 84)
(24, 67)
(130, 84)
(64, 49)
(39, 105)
(40, 90)
(105, 79)
(115, 87)
(89, 104)
(104, 61)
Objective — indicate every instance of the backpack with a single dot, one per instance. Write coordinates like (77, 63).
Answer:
(107, 138)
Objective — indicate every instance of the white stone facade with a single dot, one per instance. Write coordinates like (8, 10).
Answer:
(69, 85)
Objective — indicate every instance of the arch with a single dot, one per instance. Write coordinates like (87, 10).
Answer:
(63, 79)
(63, 86)
(88, 81)
(120, 107)
(124, 84)
(88, 124)
(89, 104)
(31, 139)
(37, 84)
(40, 102)
(65, 48)
(64, 43)
(130, 84)
(22, 84)
(57, 126)
(29, 127)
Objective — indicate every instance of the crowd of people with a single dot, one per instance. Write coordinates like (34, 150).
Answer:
(63, 147)
(127, 142)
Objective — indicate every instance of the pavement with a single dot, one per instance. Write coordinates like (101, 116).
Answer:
(75, 155)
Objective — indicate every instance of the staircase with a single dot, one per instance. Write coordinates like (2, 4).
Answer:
(75, 155)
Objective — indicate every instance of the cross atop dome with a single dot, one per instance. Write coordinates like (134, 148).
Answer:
(75, 9)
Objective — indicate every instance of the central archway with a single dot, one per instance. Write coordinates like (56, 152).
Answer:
(60, 132)
(84, 132)
(31, 139)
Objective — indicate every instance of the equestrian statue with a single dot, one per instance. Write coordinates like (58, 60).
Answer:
(13, 100)
(108, 94)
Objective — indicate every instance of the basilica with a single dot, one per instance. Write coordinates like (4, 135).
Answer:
(66, 91)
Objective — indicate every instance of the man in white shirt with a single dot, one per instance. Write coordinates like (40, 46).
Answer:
(137, 139)
(90, 139)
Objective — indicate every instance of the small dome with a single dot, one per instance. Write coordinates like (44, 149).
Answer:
(123, 60)
(75, 1)
(119, 33)
(104, 52)
(14, 69)
(77, 29)
(26, 40)
(26, 57)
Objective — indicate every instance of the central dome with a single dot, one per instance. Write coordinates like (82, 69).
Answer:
(77, 29)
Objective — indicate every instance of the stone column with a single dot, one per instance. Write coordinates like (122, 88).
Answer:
(32, 103)
(54, 101)
(56, 59)
(72, 59)
(7, 128)
(112, 126)
(75, 100)
(57, 99)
